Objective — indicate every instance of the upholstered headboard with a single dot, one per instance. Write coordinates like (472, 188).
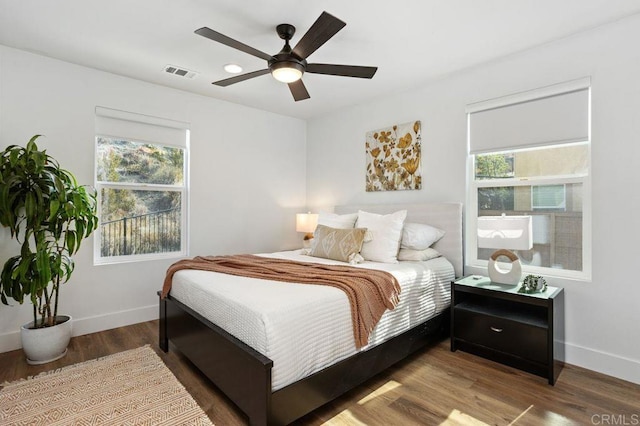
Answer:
(446, 216)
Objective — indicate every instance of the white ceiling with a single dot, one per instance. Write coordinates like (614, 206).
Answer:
(411, 41)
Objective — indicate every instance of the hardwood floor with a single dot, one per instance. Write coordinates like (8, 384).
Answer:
(431, 388)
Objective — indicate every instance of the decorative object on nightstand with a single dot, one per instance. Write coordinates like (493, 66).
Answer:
(499, 323)
(306, 222)
(502, 233)
(533, 284)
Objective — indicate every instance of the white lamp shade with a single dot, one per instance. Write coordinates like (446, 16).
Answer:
(541, 229)
(505, 232)
(306, 222)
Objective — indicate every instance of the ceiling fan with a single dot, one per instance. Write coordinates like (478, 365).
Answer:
(289, 64)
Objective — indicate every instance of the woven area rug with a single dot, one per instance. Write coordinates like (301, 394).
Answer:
(127, 388)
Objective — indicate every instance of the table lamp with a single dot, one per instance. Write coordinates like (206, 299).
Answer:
(306, 222)
(505, 233)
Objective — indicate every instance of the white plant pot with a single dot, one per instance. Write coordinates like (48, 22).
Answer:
(42, 345)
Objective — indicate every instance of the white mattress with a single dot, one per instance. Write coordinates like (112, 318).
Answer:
(304, 328)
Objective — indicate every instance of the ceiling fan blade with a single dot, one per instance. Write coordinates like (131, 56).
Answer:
(228, 41)
(342, 70)
(325, 27)
(238, 78)
(298, 90)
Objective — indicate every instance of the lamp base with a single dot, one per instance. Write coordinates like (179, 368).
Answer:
(501, 276)
(308, 239)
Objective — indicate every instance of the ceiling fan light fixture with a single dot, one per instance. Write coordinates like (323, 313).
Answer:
(287, 72)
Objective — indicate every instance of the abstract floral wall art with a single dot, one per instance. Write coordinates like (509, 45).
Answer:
(393, 158)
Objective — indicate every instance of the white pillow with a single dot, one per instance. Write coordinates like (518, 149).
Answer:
(340, 221)
(418, 236)
(417, 255)
(386, 231)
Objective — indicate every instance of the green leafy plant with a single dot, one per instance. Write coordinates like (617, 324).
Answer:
(533, 284)
(49, 215)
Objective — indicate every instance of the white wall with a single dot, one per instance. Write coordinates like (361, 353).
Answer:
(247, 178)
(602, 316)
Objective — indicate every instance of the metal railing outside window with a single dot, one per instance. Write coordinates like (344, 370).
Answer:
(157, 232)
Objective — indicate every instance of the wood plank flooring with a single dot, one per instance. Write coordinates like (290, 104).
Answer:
(431, 388)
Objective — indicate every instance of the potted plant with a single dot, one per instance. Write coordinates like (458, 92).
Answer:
(49, 215)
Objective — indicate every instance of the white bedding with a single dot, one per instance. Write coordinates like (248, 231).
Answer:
(303, 328)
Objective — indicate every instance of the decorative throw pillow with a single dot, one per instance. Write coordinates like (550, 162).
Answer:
(418, 236)
(418, 255)
(341, 221)
(338, 244)
(386, 231)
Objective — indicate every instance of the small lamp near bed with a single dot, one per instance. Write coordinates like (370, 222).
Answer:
(306, 222)
(503, 233)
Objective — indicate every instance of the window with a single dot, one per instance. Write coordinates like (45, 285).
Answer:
(529, 155)
(549, 197)
(141, 179)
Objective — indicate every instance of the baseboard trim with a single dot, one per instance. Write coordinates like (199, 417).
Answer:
(603, 362)
(591, 359)
(11, 341)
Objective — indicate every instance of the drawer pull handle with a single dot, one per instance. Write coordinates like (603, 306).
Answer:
(497, 330)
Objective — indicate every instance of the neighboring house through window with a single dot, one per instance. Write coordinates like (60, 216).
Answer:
(141, 179)
(529, 155)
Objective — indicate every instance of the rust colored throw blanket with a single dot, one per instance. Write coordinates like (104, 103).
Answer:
(370, 292)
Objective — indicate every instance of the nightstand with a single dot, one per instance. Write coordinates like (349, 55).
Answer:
(494, 321)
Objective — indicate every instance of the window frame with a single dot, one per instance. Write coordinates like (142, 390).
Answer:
(473, 185)
(183, 189)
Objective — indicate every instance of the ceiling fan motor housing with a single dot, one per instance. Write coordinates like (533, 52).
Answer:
(287, 60)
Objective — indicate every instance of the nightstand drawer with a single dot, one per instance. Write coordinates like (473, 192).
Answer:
(502, 334)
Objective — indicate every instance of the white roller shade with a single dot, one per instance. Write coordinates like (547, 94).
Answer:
(141, 128)
(556, 114)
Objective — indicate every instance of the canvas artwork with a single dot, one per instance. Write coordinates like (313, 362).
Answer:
(393, 158)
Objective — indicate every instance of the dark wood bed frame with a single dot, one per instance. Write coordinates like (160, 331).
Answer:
(244, 374)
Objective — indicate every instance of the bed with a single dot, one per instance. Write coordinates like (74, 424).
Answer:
(243, 367)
